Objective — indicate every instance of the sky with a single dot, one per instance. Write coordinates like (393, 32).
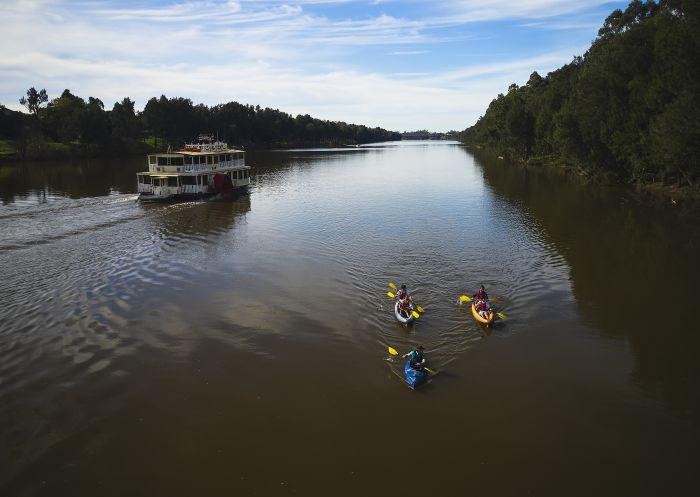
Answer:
(399, 64)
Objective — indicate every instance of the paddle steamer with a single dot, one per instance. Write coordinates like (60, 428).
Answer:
(207, 169)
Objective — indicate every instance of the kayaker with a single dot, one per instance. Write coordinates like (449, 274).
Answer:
(481, 294)
(416, 357)
(405, 308)
(482, 307)
(405, 301)
(403, 294)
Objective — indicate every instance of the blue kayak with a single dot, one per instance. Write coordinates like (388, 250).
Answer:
(414, 376)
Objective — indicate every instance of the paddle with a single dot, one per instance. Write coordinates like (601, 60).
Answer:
(393, 351)
(464, 298)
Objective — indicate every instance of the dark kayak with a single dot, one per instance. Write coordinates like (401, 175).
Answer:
(414, 376)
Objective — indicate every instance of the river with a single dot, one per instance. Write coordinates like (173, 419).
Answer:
(240, 348)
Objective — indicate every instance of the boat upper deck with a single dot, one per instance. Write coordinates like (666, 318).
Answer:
(197, 158)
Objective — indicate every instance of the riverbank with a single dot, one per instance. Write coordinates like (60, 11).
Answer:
(12, 151)
(653, 190)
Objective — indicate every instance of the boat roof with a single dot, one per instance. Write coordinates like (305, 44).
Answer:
(179, 153)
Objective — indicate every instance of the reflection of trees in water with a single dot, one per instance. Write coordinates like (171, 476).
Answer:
(272, 168)
(634, 267)
(73, 179)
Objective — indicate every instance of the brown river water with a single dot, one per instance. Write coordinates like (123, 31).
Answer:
(240, 348)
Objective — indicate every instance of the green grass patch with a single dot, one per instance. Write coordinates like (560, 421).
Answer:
(7, 148)
(154, 141)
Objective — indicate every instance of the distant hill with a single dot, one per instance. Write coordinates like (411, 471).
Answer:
(427, 135)
(628, 110)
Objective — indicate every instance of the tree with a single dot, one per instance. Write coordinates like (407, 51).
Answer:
(95, 126)
(34, 100)
(125, 123)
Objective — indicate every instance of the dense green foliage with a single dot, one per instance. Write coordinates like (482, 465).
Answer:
(69, 125)
(628, 110)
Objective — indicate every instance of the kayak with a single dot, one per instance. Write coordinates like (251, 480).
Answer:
(402, 319)
(479, 318)
(414, 376)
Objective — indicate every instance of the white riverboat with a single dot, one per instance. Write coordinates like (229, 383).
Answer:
(198, 170)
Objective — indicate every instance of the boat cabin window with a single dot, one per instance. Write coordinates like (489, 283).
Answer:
(151, 159)
(188, 180)
(176, 161)
(210, 160)
(188, 160)
(222, 157)
(205, 180)
(162, 161)
(145, 179)
(216, 159)
(172, 181)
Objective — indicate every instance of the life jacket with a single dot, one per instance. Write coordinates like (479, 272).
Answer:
(404, 303)
(481, 295)
(415, 357)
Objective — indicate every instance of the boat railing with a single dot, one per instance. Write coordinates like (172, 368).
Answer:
(190, 188)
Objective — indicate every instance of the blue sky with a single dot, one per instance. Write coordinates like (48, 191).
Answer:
(402, 65)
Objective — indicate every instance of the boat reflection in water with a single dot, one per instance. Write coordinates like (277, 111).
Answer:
(189, 220)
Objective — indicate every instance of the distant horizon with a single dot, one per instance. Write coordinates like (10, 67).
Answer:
(402, 66)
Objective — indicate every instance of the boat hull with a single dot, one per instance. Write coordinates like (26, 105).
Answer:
(480, 318)
(414, 377)
(185, 197)
(400, 318)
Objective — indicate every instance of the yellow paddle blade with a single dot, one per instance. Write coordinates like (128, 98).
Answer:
(392, 351)
(464, 298)
(420, 309)
(501, 315)
(393, 286)
(391, 295)
(415, 314)
(432, 372)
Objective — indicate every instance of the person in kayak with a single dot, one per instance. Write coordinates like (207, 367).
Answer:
(403, 294)
(405, 301)
(481, 294)
(417, 357)
(482, 307)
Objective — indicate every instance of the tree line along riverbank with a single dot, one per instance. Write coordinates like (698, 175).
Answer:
(627, 111)
(70, 126)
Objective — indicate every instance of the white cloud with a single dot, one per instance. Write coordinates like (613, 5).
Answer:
(491, 10)
(409, 52)
(286, 56)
